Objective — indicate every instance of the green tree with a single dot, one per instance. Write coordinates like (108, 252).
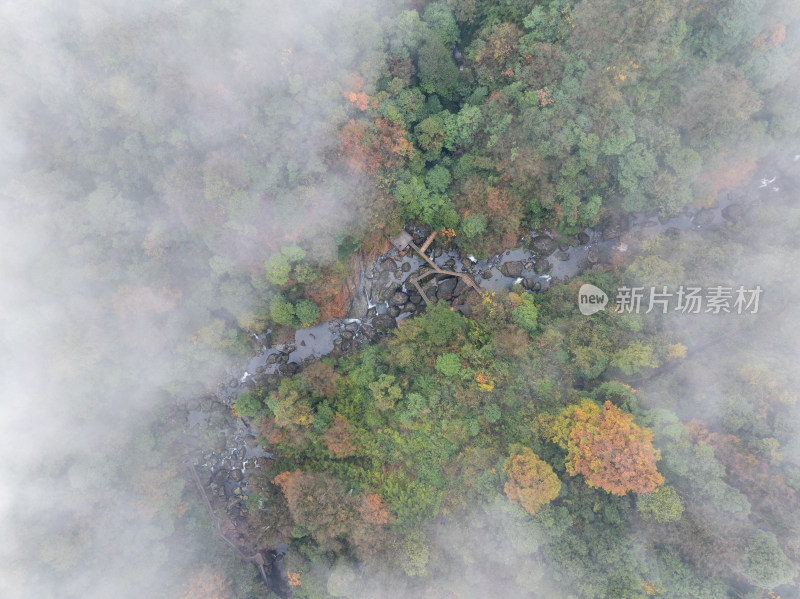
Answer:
(766, 565)
(526, 315)
(449, 364)
(248, 405)
(281, 311)
(278, 269)
(662, 505)
(473, 225)
(442, 23)
(438, 73)
(307, 312)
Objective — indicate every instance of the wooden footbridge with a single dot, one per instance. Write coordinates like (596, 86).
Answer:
(403, 240)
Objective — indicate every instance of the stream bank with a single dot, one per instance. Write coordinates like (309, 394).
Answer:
(384, 297)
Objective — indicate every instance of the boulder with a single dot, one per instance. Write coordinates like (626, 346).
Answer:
(398, 298)
(704, 217)
(614, 224)
(446, 288)
(290, 369)
(384, 322)
(561, 255)
(583, 238)
(542, 266)
(486, 274)
(461, 287)
(543, 244)
(512, 268)
(388, 264)
(734, 212)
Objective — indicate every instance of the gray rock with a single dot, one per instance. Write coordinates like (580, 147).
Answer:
(543, 244)
(251, 441)
(398, 299)
(542, 266)
(383, 322)
(613, 225)
(388, 264)
(592, 256)
(561, 255)
(461, 287)
(346, 335)
(235, 475)
(290, 369)
(511, 269)
(393, 311)
(563, 246)
(673, 233)
(447, 288)
(703, 218)
(528, 282)
(351, 327)
(359, 306)
(405, 267)
(486, 274)
(437, 251)
(346, 345)
(415, 298)
(734, 212)
(398, 274)
(583, 238)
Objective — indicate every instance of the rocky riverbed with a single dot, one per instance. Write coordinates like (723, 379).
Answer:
(385, 296)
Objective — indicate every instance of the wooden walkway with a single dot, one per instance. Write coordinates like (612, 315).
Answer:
(436, 270)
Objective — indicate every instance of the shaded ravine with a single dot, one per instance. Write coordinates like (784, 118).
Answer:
(541, 259)
(383, 297)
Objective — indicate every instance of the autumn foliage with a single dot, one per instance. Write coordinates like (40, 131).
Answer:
(611, 452)
(338, 437)
(366, 147)
(532, 482)
(207, 584)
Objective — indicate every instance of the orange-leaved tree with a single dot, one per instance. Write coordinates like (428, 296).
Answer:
(611, 452)
(532, 482)
(339, 437)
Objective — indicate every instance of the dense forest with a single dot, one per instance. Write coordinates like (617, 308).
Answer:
(185, 180)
